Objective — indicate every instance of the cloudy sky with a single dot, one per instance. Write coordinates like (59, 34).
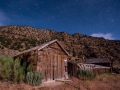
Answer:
(99, 18)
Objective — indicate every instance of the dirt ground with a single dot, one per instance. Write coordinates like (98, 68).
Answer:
(102, 82)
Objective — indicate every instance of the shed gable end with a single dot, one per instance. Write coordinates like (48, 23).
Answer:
(56, 46)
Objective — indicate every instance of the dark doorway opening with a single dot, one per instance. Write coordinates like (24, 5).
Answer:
(53, 72)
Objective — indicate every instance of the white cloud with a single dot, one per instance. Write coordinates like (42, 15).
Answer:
(106, 36)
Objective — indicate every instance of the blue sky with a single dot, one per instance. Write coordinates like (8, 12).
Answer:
(99, 18)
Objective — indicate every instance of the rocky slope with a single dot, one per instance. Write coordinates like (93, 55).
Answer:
(14, 39)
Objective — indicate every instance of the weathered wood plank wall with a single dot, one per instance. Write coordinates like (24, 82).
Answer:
(30, 57)
(51, 62)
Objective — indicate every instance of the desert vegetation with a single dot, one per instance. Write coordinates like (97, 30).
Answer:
(18, 72)
(103, 82)
(85, 75)
(34, 78)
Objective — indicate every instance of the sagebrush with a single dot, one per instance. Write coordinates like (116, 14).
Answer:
(85, 74)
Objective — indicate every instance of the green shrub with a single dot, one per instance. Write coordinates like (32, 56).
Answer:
(19, 71)
(21, 74)
(16, 71)
(34, 78)
(85, 74)
(29, 68)
(13, 70)
(29, 77)
(6, 64)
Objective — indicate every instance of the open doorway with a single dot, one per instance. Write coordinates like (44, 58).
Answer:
(53, 72)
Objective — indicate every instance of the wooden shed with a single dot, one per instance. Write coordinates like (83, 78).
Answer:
(95, 65)
(101, 65)
(99, 61)
(50, 58)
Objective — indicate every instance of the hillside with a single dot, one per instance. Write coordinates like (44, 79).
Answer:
(14, 39)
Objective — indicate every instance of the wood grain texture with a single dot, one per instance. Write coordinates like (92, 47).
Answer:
(49, 60)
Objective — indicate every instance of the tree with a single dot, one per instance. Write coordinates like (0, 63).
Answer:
(7, 67)
(74, 53)
(13, 69)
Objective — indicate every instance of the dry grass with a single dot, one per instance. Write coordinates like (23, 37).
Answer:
(104, 82)
(101, 82)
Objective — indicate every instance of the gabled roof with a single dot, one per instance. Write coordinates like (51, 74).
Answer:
(98, 60)
(43, 46)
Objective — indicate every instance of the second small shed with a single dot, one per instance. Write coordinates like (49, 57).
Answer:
(95, 65)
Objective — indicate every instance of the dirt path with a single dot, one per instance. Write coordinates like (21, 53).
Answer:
(51, 84)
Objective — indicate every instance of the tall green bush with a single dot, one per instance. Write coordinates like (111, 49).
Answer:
(21, 74)
(13, 70)
(19, 71)
(6, 65)
(16, 69)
